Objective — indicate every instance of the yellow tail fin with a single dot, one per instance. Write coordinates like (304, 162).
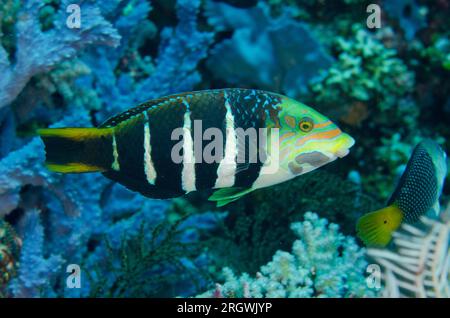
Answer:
(77, 150)
(73, 167)
(376, 228)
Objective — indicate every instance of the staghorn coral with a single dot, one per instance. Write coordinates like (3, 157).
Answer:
(323, 263)
(419, 265)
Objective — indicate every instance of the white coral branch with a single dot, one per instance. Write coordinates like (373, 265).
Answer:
(419, 267)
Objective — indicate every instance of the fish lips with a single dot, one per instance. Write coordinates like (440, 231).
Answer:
(343, 144)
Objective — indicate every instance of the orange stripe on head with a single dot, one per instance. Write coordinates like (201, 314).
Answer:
(324, 124)
(320, 135)
(286, 136)
(284, 153)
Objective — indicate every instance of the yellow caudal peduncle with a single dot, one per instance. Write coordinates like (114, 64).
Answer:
(77, 150)
(74, 133)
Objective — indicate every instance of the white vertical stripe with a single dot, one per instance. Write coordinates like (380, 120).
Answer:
(115, 165)
(227, 167)
(188, 172)
(149, 167)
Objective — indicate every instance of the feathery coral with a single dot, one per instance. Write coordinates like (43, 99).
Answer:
(420, 264)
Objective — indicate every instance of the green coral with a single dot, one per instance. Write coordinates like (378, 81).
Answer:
(366, 71)
(370, 88)
(322, 263)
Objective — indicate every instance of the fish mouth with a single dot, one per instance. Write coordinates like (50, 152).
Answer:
(343, 145)
(341, 153)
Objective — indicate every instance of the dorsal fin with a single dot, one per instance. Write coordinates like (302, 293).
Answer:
(159, 102)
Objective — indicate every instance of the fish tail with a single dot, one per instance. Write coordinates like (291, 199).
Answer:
(77, 150)
(376, 228)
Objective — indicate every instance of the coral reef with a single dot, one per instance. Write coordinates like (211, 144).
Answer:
(36, 270)
(86, 210)
(165, 263)
(243, 242)
(366, 72)
(38, 51)
(173, 70)
(387, 87)
(323, 263)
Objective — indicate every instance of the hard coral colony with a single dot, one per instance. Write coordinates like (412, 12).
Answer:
(150, 234)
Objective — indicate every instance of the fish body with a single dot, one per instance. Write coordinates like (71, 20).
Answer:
(201, 140)
(417, 193)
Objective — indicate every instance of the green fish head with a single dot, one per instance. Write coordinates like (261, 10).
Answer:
(308, 139)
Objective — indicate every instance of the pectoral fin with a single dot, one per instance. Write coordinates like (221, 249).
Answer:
(227, 195)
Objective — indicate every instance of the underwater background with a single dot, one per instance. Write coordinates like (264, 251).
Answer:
(85, 236)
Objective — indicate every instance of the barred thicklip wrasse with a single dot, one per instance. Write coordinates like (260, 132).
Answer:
(416, 194)
(163, 147)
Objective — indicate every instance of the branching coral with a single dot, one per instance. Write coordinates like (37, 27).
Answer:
(174, 69)
(26, 167)
(367, 72)
(323, 263)
(370, 88)
(38, 51)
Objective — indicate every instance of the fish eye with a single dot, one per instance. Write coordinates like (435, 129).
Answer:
(306, 124)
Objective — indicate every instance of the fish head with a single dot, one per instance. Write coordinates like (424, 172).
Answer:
(308, 139)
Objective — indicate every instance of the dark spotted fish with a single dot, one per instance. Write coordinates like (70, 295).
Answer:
(417, 193)
(163, 148)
